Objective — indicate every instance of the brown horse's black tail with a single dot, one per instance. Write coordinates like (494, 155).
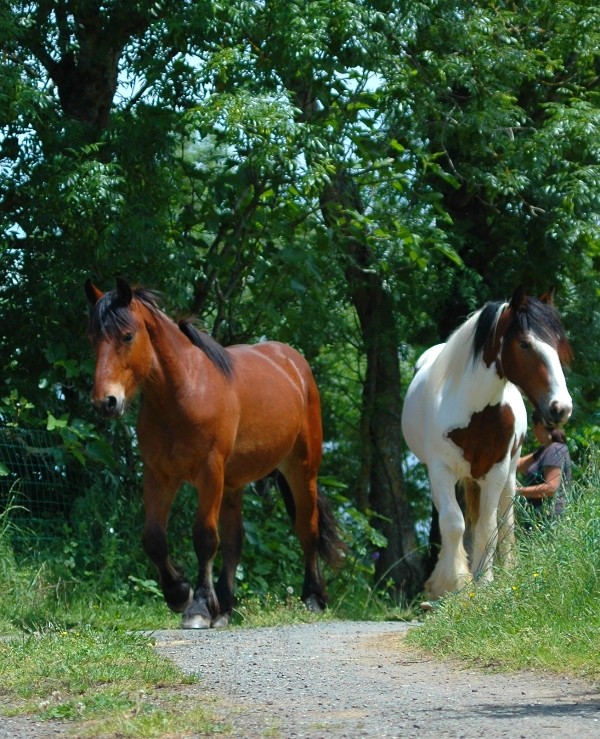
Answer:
(331, 546)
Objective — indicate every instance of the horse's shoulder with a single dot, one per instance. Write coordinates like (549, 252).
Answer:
(489, 436)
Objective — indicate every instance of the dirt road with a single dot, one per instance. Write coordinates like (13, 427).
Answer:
(351, 679)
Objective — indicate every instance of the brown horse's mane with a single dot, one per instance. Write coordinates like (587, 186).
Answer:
(112, 317)
(213, 350)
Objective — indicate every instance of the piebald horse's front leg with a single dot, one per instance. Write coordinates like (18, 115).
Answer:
(452, 569)
(158, 497)
(506, 523)
(486, 528)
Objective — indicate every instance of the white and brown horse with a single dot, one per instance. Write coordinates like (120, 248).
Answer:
(464, 418)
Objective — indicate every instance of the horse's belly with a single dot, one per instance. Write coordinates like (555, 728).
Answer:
(247, 464)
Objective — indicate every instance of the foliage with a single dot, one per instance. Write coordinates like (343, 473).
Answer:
(543, 613)
(268, 167)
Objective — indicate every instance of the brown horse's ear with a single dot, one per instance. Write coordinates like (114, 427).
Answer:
(92, 292)
(124, 291)
(549, 296)
(519, 299)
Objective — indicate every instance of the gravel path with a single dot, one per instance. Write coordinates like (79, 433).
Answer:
(354, 679)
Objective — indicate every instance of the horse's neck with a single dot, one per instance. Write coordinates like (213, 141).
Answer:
(482, 385)
(170, 367)
(465, 380)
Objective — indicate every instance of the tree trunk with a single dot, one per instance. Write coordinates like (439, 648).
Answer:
(400, 561)
(90, 43)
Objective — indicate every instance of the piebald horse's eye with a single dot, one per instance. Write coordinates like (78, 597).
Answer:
(525, 344)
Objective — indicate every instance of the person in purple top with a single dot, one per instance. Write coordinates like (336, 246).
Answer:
(547, 470)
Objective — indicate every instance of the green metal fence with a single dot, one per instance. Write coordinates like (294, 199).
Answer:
(38, 481)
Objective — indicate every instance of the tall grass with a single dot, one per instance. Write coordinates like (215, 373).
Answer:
(543, 613)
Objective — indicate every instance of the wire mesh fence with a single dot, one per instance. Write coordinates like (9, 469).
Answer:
(38, 481)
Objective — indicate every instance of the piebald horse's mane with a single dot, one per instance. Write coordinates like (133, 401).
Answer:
(465, 347)
(111, 317)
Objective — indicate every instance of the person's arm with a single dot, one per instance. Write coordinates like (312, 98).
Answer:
(524, 463)
(546, 489)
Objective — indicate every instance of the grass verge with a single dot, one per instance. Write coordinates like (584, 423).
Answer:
(543, 613)
(103, 683)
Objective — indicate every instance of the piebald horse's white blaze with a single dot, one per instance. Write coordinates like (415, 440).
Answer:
(465, 419)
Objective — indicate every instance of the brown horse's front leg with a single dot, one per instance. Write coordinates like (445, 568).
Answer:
(232, 537)
(176, 590)
(158, 497)
(204, 609)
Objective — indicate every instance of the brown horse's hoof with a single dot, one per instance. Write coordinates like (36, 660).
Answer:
(313, 604)
(195, 621)
(179, 601)
(221, 621)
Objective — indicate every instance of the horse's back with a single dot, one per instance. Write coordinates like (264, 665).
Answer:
(279, 412)
(260, 365)
(419, 409)
(428, 357)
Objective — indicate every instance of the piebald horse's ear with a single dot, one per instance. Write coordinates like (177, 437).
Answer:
(549, 296)
(124, 291)
(519, 299)
(92, 292)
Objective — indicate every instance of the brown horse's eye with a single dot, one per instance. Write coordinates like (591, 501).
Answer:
(127, 338)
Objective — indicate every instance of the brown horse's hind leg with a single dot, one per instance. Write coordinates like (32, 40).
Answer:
(158, 497)
(303, 488)
(232, 537)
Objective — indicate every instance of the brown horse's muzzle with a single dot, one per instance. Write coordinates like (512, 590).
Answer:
(110, 406)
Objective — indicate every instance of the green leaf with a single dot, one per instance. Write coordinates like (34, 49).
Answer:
(100, 451)
(396, 145)
(450, 254)
(54, 423)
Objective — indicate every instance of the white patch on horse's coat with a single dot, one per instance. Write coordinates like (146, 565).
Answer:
(558, 391)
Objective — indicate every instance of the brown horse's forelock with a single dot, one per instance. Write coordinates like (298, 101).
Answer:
(111, 317)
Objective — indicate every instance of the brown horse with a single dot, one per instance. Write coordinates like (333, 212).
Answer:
(218, 418)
